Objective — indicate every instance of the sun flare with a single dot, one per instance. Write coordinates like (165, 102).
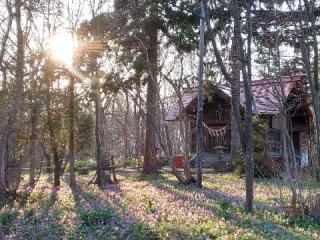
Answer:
(62, 46)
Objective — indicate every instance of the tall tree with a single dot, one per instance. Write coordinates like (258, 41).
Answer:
(53, 124)
(71, 115)
(311, 62)
(245, 59)
(141, 26)
(200, 101)
(246, 132)
(7, 135)
(151, 30)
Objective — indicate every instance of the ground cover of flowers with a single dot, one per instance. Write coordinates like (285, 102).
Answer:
(151, 208)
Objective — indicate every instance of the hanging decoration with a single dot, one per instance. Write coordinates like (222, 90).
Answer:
(218, 135)
(217, 132)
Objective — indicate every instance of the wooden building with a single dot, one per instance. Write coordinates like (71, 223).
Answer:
(267, 95)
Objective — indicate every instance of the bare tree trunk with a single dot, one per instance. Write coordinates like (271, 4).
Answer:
(187, 171)
(235, 105)
(290, 180)
(246, 72)
(71, 133)
(232, 80)
(246, 134)
(6, 137)
(106, 153)
(184, 124)
(200, 102)
(53, 143)
(125, 130)
(33, 141)
(137, 115)
(313, 79)
(168, 149)
(149, 163)
(235, 141)
(48, 77)
(4, 43)
(97, 103)
(180, 178)
(286, 127)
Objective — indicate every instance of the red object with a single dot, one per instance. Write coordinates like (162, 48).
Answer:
(178, 161)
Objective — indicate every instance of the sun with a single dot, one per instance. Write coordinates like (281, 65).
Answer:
(62, 46)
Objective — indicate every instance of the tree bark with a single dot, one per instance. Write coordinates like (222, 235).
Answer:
(53, 141)
(4, 43)
(71, 133)
(6, 137)
(125, 130)
(200, 102)
(235, 105)
(137, 116)
(187, 151)
(97, 102)
(286, 150)
(33, 139)
(313, 79)
(246, 70)
(246, 134)
(149, 163)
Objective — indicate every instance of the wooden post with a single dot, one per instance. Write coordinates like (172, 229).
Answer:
(200, 101)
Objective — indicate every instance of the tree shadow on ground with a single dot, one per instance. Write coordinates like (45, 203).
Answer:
(32, 217)
(266, 228)
(98, 219)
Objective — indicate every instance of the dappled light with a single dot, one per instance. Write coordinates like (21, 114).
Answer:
(154, 207)
(147, 120)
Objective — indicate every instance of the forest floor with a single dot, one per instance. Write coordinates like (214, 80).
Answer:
(154, 207)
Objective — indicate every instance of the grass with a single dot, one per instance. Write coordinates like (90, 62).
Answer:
(154, 207)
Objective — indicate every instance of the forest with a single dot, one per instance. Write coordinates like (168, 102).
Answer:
(159, 119)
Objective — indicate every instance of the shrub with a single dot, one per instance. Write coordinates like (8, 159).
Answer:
(95, 217)
(129, 162)
(84, 166)
(224, 206)
(163, 162)
(263, 163)
(6, 219)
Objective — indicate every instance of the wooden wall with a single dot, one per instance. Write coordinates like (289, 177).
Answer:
(216, 116)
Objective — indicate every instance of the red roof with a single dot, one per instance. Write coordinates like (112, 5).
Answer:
(189, 95)
(266, 94)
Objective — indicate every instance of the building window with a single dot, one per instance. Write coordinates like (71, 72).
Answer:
(274, 141)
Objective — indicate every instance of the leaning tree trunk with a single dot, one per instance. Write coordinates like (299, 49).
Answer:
(149, 163)
(286, 150)
(175, 171)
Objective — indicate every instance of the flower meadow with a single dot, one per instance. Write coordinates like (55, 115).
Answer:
(155, 207)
